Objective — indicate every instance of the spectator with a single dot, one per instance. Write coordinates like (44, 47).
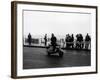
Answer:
(29, 39)
(45, 39)
(68, 40)
(72, 41)
(87, 41)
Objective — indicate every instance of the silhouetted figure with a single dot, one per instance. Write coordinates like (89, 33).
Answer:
(79, 41)
(68, 41)
(87, 41)
(53, 42)
(29, 39)
(72, 41)
(45, 39)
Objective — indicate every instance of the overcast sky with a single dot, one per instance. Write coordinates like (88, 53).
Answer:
(40, 23)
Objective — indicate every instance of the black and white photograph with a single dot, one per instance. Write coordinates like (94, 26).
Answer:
(55, 39)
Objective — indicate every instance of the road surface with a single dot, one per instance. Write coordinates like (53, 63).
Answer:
(37, 58)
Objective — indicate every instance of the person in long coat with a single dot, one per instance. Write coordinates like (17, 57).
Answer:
(29, 39)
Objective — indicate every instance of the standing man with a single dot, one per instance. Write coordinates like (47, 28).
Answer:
(72, 41)
(87, 41)
(45, 39)
(29, 39)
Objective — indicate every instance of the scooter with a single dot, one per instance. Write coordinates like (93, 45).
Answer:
(57, 51)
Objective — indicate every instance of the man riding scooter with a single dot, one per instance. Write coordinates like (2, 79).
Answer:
(54, 48)
(53, 42)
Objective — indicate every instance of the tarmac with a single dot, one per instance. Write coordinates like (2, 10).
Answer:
(35, 57)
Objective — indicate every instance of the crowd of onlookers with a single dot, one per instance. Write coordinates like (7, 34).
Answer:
(79, 43)
(70, 41)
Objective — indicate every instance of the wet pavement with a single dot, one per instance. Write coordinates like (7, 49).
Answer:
(37, 58)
